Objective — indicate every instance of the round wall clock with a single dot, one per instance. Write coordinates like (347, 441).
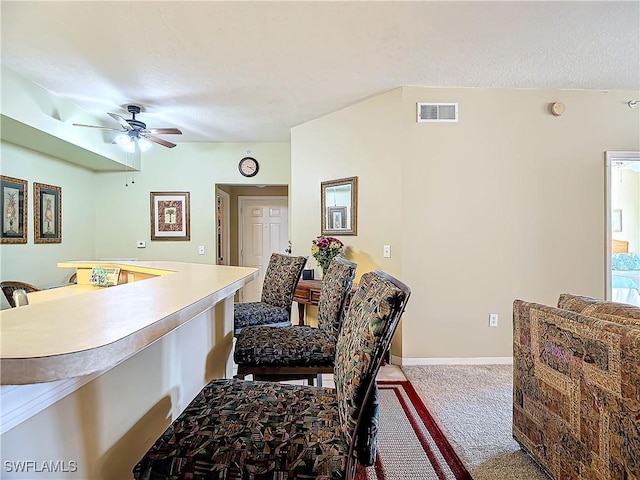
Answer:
(248, 166)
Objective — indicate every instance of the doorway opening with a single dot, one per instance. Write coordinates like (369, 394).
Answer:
(230, 234)
(622, 227)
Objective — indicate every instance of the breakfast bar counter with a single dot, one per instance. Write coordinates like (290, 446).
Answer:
(80, 329)
(91, 375)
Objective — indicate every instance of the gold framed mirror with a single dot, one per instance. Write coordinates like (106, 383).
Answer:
(339, 206)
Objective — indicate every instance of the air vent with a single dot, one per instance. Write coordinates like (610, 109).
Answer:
(437, 112)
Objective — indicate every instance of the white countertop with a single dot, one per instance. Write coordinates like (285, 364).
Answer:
(82, 329)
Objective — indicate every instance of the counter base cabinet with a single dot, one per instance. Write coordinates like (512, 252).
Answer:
(102, 429)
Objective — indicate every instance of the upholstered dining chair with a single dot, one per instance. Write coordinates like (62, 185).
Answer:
(237, 429)
(278, 287)
(299, 351)
(9, 286)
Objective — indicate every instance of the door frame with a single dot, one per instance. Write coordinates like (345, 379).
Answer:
(611, 156)
(225, 226)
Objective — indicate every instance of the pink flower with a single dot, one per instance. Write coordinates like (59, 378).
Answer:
(324, 249)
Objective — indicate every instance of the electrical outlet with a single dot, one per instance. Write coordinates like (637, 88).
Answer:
(141, 244)
(201, 250)
(493, 319)
(386, 251)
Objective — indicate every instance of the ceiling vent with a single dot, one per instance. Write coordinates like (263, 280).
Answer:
(437, 112)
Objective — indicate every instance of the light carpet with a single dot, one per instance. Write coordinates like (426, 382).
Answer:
(410, 443)
(473, 406)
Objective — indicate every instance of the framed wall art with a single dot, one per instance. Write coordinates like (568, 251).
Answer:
(13, 205)
(337, 218)
(170, 216)
(47, 212)
(616, 220)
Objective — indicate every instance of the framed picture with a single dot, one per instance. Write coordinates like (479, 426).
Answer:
(170, 216)
(13, 205)
(47, 211)
(337, 218)
(616, 220)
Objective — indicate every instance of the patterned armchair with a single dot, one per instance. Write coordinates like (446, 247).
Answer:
(576, 387)
(299, 351)
(266, 430)
(278, 288)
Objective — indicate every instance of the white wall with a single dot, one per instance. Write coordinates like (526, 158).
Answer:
(508, 203)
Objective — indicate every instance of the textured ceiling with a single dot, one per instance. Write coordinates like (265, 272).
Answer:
(249, 71)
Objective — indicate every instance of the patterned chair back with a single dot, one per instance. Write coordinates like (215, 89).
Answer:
(8, 287)
(281, 279)
(335, 293)
(374, 314)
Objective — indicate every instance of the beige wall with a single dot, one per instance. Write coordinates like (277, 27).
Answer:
(508, 203)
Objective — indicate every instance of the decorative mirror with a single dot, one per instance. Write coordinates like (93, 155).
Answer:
(339, 207)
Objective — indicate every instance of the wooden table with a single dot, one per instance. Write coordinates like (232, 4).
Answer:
(307, 293)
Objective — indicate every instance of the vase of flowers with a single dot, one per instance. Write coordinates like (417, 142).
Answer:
(324, 249)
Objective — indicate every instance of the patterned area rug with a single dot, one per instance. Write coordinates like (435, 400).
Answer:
(410, 443)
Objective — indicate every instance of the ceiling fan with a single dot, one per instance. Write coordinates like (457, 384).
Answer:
(134, 132)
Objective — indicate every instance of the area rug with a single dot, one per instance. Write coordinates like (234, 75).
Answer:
(473, 406)
(411, 445)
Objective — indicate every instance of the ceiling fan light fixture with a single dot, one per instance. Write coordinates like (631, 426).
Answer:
(134, 135)
(143, 144)
(124, 140)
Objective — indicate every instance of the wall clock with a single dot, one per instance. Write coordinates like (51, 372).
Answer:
(248, 166)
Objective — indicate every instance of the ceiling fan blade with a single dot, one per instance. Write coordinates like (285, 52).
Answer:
(120, 120)
(96, 126)
(158, 140)
(164, 131)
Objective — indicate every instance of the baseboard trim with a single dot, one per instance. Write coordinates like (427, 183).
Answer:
(396, 360)
(455, 361)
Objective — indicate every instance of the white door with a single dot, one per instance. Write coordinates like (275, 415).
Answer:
(264, 229)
